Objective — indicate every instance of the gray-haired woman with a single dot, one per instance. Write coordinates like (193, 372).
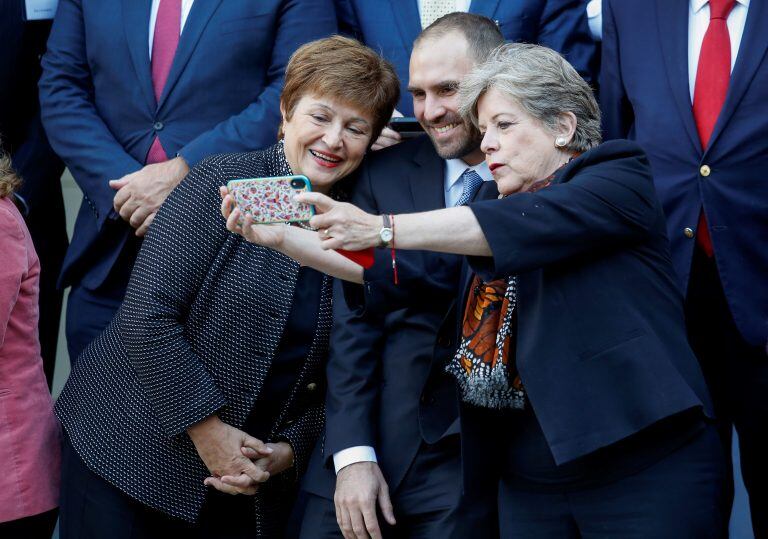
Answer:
(577, 379)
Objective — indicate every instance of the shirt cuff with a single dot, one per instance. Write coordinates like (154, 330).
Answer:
(352, 455)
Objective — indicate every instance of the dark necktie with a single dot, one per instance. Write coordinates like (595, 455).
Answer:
(712, 77)
(472, 182)
(164, 45)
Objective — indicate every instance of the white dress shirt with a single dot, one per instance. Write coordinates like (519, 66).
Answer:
(186, 5)
(698, 21)
(595, 19)
(453, 185)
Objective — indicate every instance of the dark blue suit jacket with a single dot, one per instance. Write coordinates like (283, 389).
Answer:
(645, 96)
(601, 341)
(222, 95)
(386, 383)
(390, 26)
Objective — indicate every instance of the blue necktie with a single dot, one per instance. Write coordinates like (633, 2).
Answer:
(472, 182)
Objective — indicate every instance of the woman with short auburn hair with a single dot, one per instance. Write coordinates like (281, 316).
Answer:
(579, 387)
(209, 380)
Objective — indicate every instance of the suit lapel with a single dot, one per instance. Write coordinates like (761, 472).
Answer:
(486, 8)
(198, 18)
(672, 18)
(752, 48)
(426, 178)
(136, 24)
(408, 21)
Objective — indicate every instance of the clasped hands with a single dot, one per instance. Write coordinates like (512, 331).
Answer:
(141, 193)
(238, 463)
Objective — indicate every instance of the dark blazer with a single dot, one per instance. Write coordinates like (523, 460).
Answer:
(202, 318)
(222, 95)
(386, 387)
(645, 96)
(601, 342)
(391, 26)
(22, 136)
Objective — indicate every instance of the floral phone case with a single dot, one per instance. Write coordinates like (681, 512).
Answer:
(271, 200)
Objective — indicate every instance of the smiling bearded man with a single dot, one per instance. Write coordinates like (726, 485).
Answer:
(392, 411)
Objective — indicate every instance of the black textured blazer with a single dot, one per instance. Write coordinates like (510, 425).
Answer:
(199, 327)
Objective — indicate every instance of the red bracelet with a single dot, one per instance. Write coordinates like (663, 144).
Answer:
(394, 260)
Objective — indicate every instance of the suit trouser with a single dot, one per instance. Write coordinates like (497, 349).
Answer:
(737, 375)
(428, 503)
(88, 314)
(677, 497)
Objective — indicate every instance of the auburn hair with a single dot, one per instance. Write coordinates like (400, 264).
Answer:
(344, 70)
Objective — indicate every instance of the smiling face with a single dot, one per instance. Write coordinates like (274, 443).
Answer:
(518, 148)
(325, 140)
(437, 66)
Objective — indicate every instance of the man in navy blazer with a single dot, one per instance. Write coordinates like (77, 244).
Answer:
(712, 187)
(390, 27)
(103, 114)
(22, 136)
(392, 437)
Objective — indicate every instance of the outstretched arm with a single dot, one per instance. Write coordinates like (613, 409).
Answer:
(304, 246)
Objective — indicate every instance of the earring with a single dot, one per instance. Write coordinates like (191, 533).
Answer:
(560, 142)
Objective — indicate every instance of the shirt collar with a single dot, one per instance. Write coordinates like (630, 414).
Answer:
(697, 5)
(454, 168)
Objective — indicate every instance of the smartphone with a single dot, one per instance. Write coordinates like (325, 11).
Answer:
(271, 200)
(407, 126)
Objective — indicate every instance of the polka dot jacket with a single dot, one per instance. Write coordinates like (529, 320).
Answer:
(200, 324)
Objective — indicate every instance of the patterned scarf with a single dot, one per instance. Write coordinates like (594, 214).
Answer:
(485, 363)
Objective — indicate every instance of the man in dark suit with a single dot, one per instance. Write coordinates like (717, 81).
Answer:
(689, 80)
(21, 134)
(391, 410)
(131, 102)
(391, 28)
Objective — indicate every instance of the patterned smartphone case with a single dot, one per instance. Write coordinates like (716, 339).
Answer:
(270, 200)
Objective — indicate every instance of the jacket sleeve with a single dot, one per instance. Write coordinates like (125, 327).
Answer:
(75, 130)
(564, 27)
(300, 21)
(617, 114)
(180, 247)
(601, 207)
(12, 269)
(302, 434)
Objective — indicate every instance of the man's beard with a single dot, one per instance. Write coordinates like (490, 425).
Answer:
(459, 146)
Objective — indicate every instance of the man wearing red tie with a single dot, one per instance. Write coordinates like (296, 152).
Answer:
(133, 94)
(688, 79)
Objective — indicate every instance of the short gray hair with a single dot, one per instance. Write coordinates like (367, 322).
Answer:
(543, 83)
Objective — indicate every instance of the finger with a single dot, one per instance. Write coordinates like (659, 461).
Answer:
(345, 523)
(371, 522)
(358, 523)
(385, 503)
(391, 134)
(121, 197)
(142, 230)
(239, 481)
(119, 184)
(257, 445)
(127, 209)
(222, 487)
(254, 472)
(139, 216)
(223, 191)
(233, 222)
(321, 202)
(252, 454)
(226, 205)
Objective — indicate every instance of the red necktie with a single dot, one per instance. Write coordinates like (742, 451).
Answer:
(712, 77)
(164, 45)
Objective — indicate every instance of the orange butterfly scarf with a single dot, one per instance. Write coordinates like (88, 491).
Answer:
(484, 364)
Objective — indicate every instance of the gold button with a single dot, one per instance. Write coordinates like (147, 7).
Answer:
(705, 170)
(311, 386)
(688, 232)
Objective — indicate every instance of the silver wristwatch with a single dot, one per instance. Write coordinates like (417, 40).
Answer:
(386, 234)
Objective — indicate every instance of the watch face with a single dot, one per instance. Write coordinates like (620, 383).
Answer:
(386, 235)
